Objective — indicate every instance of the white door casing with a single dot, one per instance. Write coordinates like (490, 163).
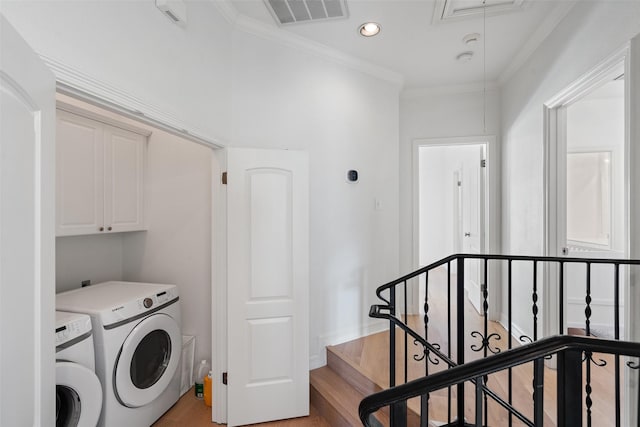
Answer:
(555, 147)
(267, 276)
(489, 208)
(27, 242)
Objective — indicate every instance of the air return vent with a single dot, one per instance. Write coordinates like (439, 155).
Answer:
(295, 11)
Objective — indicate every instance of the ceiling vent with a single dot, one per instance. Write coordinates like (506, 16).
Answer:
(454, 10)
(175, 10)
(288, 12)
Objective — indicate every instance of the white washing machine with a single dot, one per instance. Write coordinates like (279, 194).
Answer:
(138, 344)
(78, 390)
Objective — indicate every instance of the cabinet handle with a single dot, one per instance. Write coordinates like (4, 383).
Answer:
(101, 229)
(109, 229)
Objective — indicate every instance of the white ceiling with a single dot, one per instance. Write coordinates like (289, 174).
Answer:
(422, 48)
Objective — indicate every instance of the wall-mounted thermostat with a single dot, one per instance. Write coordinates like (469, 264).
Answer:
(352, 175)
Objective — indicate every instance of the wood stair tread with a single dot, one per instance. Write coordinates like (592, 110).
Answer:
(332, 393)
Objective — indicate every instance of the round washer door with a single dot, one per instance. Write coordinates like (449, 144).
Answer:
(148, 360)
(78, 396)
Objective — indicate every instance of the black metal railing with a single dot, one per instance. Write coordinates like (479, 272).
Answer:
(570, 351)
(446, 333)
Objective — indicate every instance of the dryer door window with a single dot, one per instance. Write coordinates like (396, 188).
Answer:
(78, 395)
(151, 359)
(148, 360)
(67, 407)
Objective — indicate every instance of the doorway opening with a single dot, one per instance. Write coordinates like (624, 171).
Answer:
(455, 207)
(587, 183)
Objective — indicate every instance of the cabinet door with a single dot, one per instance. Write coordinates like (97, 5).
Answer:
(125, 154)
(79, 175)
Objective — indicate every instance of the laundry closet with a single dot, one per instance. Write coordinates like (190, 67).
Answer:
(133, 203)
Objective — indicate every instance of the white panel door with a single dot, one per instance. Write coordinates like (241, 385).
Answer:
(267, 226)
(472, 220)
(27, 250)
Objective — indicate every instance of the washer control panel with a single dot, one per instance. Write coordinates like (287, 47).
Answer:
(70, 326)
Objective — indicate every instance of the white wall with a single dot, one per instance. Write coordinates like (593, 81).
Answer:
(282, 97)
(96, 257)
(131, 46)
(288, 98)
(440, 114)
(590, 33)
(177, 246)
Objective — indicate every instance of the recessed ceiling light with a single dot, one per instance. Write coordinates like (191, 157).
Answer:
(471, 39)
(465, 56)
(369, 29)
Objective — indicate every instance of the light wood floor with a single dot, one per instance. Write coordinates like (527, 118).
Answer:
(191, 412)
(371, 356)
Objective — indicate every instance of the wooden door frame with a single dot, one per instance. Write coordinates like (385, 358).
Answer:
(491, 225)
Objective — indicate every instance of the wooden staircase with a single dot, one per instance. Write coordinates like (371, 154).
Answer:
(338, 388)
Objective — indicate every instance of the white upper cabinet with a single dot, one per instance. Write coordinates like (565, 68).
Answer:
(100, 177)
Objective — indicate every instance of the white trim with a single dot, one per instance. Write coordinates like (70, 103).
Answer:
(554, 117)
(102, 119)
(227, 10)
(491, 208)
(278, 35)
(589, 80)
(287, 38)
(86, 88)
(595, 301)
(423, 92)
(516, 331)
(219, 285)
(535, 40)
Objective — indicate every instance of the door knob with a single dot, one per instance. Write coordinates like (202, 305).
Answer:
(467, 234)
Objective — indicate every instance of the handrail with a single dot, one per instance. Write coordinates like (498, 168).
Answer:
(469, 371)
(540, 258)
(374, 311)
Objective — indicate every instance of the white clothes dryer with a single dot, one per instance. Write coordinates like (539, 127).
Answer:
(138, 344)
(78, 390)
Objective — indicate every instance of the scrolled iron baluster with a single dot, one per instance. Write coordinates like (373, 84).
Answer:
(525, 339)
(633, 365)
(587, 388)
(426, 353)
(485, 342)
(589, 356)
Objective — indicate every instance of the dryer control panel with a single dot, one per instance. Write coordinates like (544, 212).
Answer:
(70, 326)
(143, 304)
(157, 299)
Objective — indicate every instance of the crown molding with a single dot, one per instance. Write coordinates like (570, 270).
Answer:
(75, 83)
(533, 43)
(227, 9)
(284, 37)
(423, 92)
(260, 29)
